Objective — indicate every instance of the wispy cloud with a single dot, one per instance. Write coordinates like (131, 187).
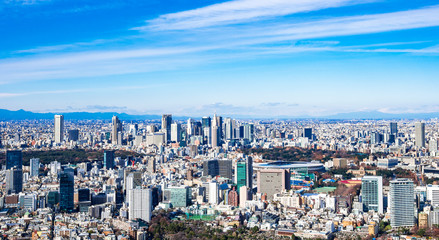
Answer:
(244, 41)
(239, 11)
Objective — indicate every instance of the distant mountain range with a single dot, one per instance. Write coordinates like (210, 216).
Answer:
(26, 115)
(6, 115)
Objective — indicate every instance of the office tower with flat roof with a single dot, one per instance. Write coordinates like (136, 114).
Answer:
(433, 194)
(34, 167)
(249, 131)
(14, 180)
(215, 168)
(394, 128)
(241, 174)
(108, 159)
(401, 202)
(178, 196)
(140, 204)
(218, 122)
(116, 129)
(166, 126)
(307, 133)
(14, 158)
(175, 132)
(229, 128)
(66, 191)
(206, 122)
(372, 193)
(59, 129)
(74, 135)
(243, 196)
(244, 173)
(271, 181)
(420, 134)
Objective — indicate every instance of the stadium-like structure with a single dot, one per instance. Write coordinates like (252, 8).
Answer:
(292, 166)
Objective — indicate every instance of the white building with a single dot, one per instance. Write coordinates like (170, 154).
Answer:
(140, 204)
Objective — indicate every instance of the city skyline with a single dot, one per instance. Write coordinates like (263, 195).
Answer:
(276, 58)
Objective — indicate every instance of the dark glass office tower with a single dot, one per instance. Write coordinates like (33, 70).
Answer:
(66, 191)
(108, 159)
(14, 158)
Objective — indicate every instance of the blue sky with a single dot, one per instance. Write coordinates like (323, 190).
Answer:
(240, 57)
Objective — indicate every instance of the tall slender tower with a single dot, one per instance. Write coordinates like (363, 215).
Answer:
(402, 206)
(117, 127)
(420, 134)
(166, 126)
(372, 193)
(59, 128)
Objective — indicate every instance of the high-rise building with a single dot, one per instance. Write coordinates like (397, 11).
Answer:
(401, 203)
(240, 174)
(175, 132)
(213, 193)
(244, 173)
(271, 181)
(229, 125)
(394, 128)
(249, 131)
(132, 181)
(307, 133)
(74, 135)
(34, 167)
(233, 197)
(420, 134)
(116, 129)
(140, 204)
(14, 158)
(108, 159)
(216, 167)
(372, 193)
(178, 196)
(14, 180)
(166, 126)
(59, 129)
(243, 196)
(215, 136)
(218, 122)
(433, 145)
(433, 194)
(66, 191)
(205, 122)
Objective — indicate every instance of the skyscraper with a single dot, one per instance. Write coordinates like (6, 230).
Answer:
(401, 202)
(215, 168)
(420, 134)
(166, 126)
(394, 128)
(229, 125)
(372, 193)
(116, 128)
(66, 191)
(34, 167)
(175, 132)
(244, 173)
(205, 122)
(14, 180)
(108, 159)
(215, 136)
(74, 135)
(140, 204)
(14, 158)
(249, 130)
(59, 129)
(307, 133)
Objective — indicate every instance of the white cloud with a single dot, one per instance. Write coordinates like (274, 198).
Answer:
(240, 11)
